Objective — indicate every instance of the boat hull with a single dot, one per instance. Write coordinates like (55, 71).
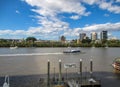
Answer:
(116, 64)
(72, 51)
(116, 67)
(14, 47)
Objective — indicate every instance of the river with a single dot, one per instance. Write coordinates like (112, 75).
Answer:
(33, 61)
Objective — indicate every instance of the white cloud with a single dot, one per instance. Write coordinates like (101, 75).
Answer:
(75, 17)
(54, 7)
(54, 33)
(106, 15)
(51, 24)
(17, 12)
(2, 32)
(73, 32)
(100, 27)
(117, 0)
(12, 32)
(95, 27)
(49, 11)
(90, 2)
(111, 36)
(110, 7)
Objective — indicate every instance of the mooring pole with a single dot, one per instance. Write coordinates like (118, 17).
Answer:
(60, 73)
(48, 74)
(54, 78)
(54, 73)
(91, 67)
(66, 73)
(80, 70)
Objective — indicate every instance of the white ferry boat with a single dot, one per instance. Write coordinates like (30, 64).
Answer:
(72, 51)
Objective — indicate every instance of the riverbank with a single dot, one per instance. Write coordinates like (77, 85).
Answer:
(59, 44)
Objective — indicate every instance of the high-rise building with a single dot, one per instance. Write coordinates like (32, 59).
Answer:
(82, 36)
(93, 36)
(103, 35)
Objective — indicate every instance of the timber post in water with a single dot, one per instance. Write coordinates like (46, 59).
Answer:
(66, 74)
(48, 74)
(60, 73)
(91, 67)
(54, 74)
(80, 70)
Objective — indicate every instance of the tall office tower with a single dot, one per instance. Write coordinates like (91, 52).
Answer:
(103, 35)
(93, 36)
(82, 36)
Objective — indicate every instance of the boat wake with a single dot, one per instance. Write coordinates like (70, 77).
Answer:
(31, 54)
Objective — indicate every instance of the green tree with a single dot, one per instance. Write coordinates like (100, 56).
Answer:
(63, 38)
(32, 39)
(86, 41)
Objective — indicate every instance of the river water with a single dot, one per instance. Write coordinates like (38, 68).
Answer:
(33, 61)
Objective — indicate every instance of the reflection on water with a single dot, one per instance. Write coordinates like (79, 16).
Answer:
(29, 63)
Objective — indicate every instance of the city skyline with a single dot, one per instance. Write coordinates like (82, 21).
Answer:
(49, 19)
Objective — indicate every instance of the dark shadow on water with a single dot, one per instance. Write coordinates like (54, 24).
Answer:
(107, 79)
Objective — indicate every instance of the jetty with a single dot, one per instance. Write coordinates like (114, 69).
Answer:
(59, 79)
(80, 81)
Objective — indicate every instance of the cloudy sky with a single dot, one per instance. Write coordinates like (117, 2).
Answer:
(49, 19)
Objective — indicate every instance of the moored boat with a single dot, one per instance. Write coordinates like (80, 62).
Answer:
(14, 47)
(116, 64)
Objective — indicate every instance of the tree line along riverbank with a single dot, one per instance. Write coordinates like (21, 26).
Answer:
(33, 42)
(57, 44)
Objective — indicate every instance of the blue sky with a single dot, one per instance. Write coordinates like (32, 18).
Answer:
(49, 19)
